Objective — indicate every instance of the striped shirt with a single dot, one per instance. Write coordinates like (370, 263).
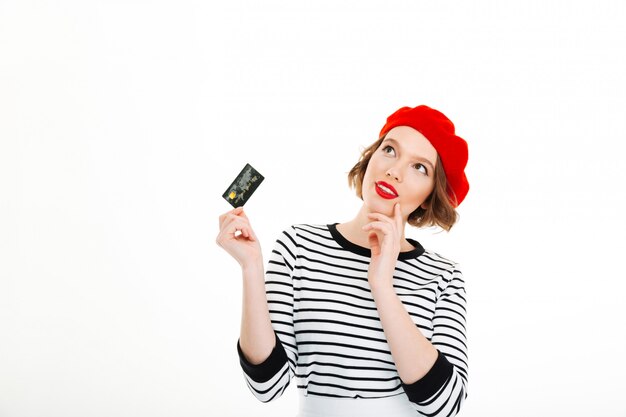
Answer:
(328, 332)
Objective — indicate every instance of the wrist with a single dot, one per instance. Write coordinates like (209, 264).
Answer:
(252, 264)
(253, 269)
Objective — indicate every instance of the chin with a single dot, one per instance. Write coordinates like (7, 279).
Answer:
(378, 205)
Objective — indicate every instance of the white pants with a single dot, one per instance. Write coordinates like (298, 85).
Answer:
(396, 406)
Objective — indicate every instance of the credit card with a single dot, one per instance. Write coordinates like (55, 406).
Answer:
(243, 186)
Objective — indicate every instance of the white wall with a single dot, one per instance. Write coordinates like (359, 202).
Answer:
(122, 122)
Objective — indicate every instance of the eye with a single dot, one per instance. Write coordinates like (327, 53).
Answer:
(389, 150)
(421, 168)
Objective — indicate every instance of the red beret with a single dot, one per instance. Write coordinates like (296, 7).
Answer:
(439, 130)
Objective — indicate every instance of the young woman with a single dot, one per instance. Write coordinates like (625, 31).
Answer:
(368, 321)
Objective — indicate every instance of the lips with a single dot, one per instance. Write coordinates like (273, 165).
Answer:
(386, 190)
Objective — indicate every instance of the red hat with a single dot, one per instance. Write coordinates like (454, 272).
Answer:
(439, 130)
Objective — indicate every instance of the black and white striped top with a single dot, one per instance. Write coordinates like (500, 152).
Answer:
(329, 335)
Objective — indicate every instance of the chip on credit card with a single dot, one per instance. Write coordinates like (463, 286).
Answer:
(243, 186)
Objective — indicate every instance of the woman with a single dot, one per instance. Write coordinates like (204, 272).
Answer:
(368, 321)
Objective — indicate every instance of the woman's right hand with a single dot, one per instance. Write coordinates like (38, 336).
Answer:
(238, 239)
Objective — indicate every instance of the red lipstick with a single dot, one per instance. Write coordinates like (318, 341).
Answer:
(386, 190)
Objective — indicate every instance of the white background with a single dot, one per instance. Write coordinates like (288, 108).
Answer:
(123, 122)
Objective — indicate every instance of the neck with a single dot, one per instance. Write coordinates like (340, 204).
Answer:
(353, 230)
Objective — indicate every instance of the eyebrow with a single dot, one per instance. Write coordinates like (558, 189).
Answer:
(416, 157)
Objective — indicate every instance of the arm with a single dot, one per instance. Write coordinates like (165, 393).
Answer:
(413, 354)
(238, 239)
(433, 373)
(261, 353)
(268, 379)
(256, 338)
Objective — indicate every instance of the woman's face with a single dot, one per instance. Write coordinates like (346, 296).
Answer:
(401, 170)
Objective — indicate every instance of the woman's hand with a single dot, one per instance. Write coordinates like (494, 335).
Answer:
(385, 235)
(238, 239)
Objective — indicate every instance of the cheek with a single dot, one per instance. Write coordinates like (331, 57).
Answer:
(372, 164)
(423, 187)
(372, 167)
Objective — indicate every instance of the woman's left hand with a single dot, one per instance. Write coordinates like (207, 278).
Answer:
(385, 234)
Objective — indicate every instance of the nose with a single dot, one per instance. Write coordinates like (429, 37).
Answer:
(393, 173)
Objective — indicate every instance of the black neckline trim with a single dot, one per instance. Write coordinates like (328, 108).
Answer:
(361, 250)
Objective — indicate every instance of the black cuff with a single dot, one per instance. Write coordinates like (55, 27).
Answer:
(429, 384)
(265, 370)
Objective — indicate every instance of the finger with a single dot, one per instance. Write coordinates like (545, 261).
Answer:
(237, 224)
(243, 215)
(230, 217)
(398, 216)
(379, 216)
(245, 232)
(384, 227)
(374, 243)
(236, 234)
(243, 225)
(226, 220)
(224, 216)
(250, 233)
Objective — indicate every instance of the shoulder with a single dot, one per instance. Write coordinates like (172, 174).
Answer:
(304, 234)
(451, 278)
(446, 269)
(306, 230)
(438, 260)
